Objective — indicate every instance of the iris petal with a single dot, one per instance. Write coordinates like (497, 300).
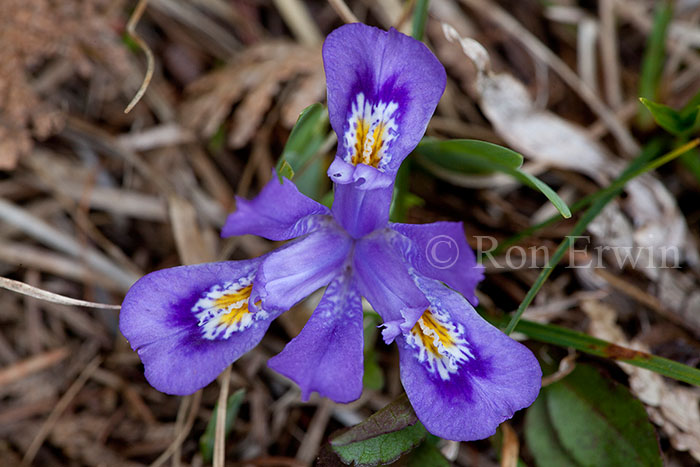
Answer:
(279, 212)
(326, 356)
(454, 362)
(293, 271)
(382, 89)
(384, 279)
(440, 251)
(190, 322)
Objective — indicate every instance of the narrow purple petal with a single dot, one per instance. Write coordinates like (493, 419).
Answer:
(384, 279)
(293, 271)
(361, 211)
(326, 356)
(190, 322)
(279, 212)
(440, 251)
(382, 89)
(463, 376)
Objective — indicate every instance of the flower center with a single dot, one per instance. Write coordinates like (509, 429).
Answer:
(439, 344)
(370, 131)
(223, 309)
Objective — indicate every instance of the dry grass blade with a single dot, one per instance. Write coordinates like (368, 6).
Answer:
(180, 438)
(344, 11)
(131, 29)
(45, 295)
(542, 52)
(32, 365)
(59, 409)
(511, 447)
(220, 434)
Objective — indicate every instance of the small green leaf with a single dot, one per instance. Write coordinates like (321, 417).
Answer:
(469, 155)
(541, 439)
(299, 155)
(673, 121)
(383, 437)
(479, 157)
(427, 454)
(373, 377)
(536, 183)
(599, 423)
(206, 441)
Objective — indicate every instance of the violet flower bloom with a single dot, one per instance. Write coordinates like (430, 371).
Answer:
(462, 376)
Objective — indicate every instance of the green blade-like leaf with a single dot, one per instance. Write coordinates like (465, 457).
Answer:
(383, 437)
(605, 196)
(469, 155)
(298, 157)
(542, 440)
(654, 58)
(568, 338)
(674, 122)
(206, 441)
(479, 157)
(598, 422)
(538, 184)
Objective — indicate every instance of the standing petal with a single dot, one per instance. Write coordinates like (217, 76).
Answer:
(326, 356)
(462, 375)
(190, 322)
(279, 212)
(293, 271)
(382, 89)
(384, 279)
(440, 251)
(361, 211)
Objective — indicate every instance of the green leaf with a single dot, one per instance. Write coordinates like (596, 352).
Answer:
(673, 121)
(382, 438)
(373, 377)
(479, 157)
(538, 184)
(602, 199)
(541, 439)
(420, 15)
(299, 155)
(566, 338)
(654, 58)
(469, 155)
(599, 423)
(206, 441)
(427, 454)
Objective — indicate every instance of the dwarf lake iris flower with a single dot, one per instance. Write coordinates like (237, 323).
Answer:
(462, 375)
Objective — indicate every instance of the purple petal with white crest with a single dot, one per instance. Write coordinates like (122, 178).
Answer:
(327, 356)
(440, 251)
(190, 322)
(383, 88)
(463, 376)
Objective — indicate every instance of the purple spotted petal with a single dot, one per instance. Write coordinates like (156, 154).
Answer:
(440, 251)
(190, 322)
(384, 280)
(279, 212)
(292, 272)
(463, 376)
(382, 89)
(326, 356)
(361, 211)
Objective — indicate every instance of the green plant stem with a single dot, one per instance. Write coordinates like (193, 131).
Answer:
(604, 197)
(420, 15)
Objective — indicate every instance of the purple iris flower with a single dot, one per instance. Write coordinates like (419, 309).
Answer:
(462, 375)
